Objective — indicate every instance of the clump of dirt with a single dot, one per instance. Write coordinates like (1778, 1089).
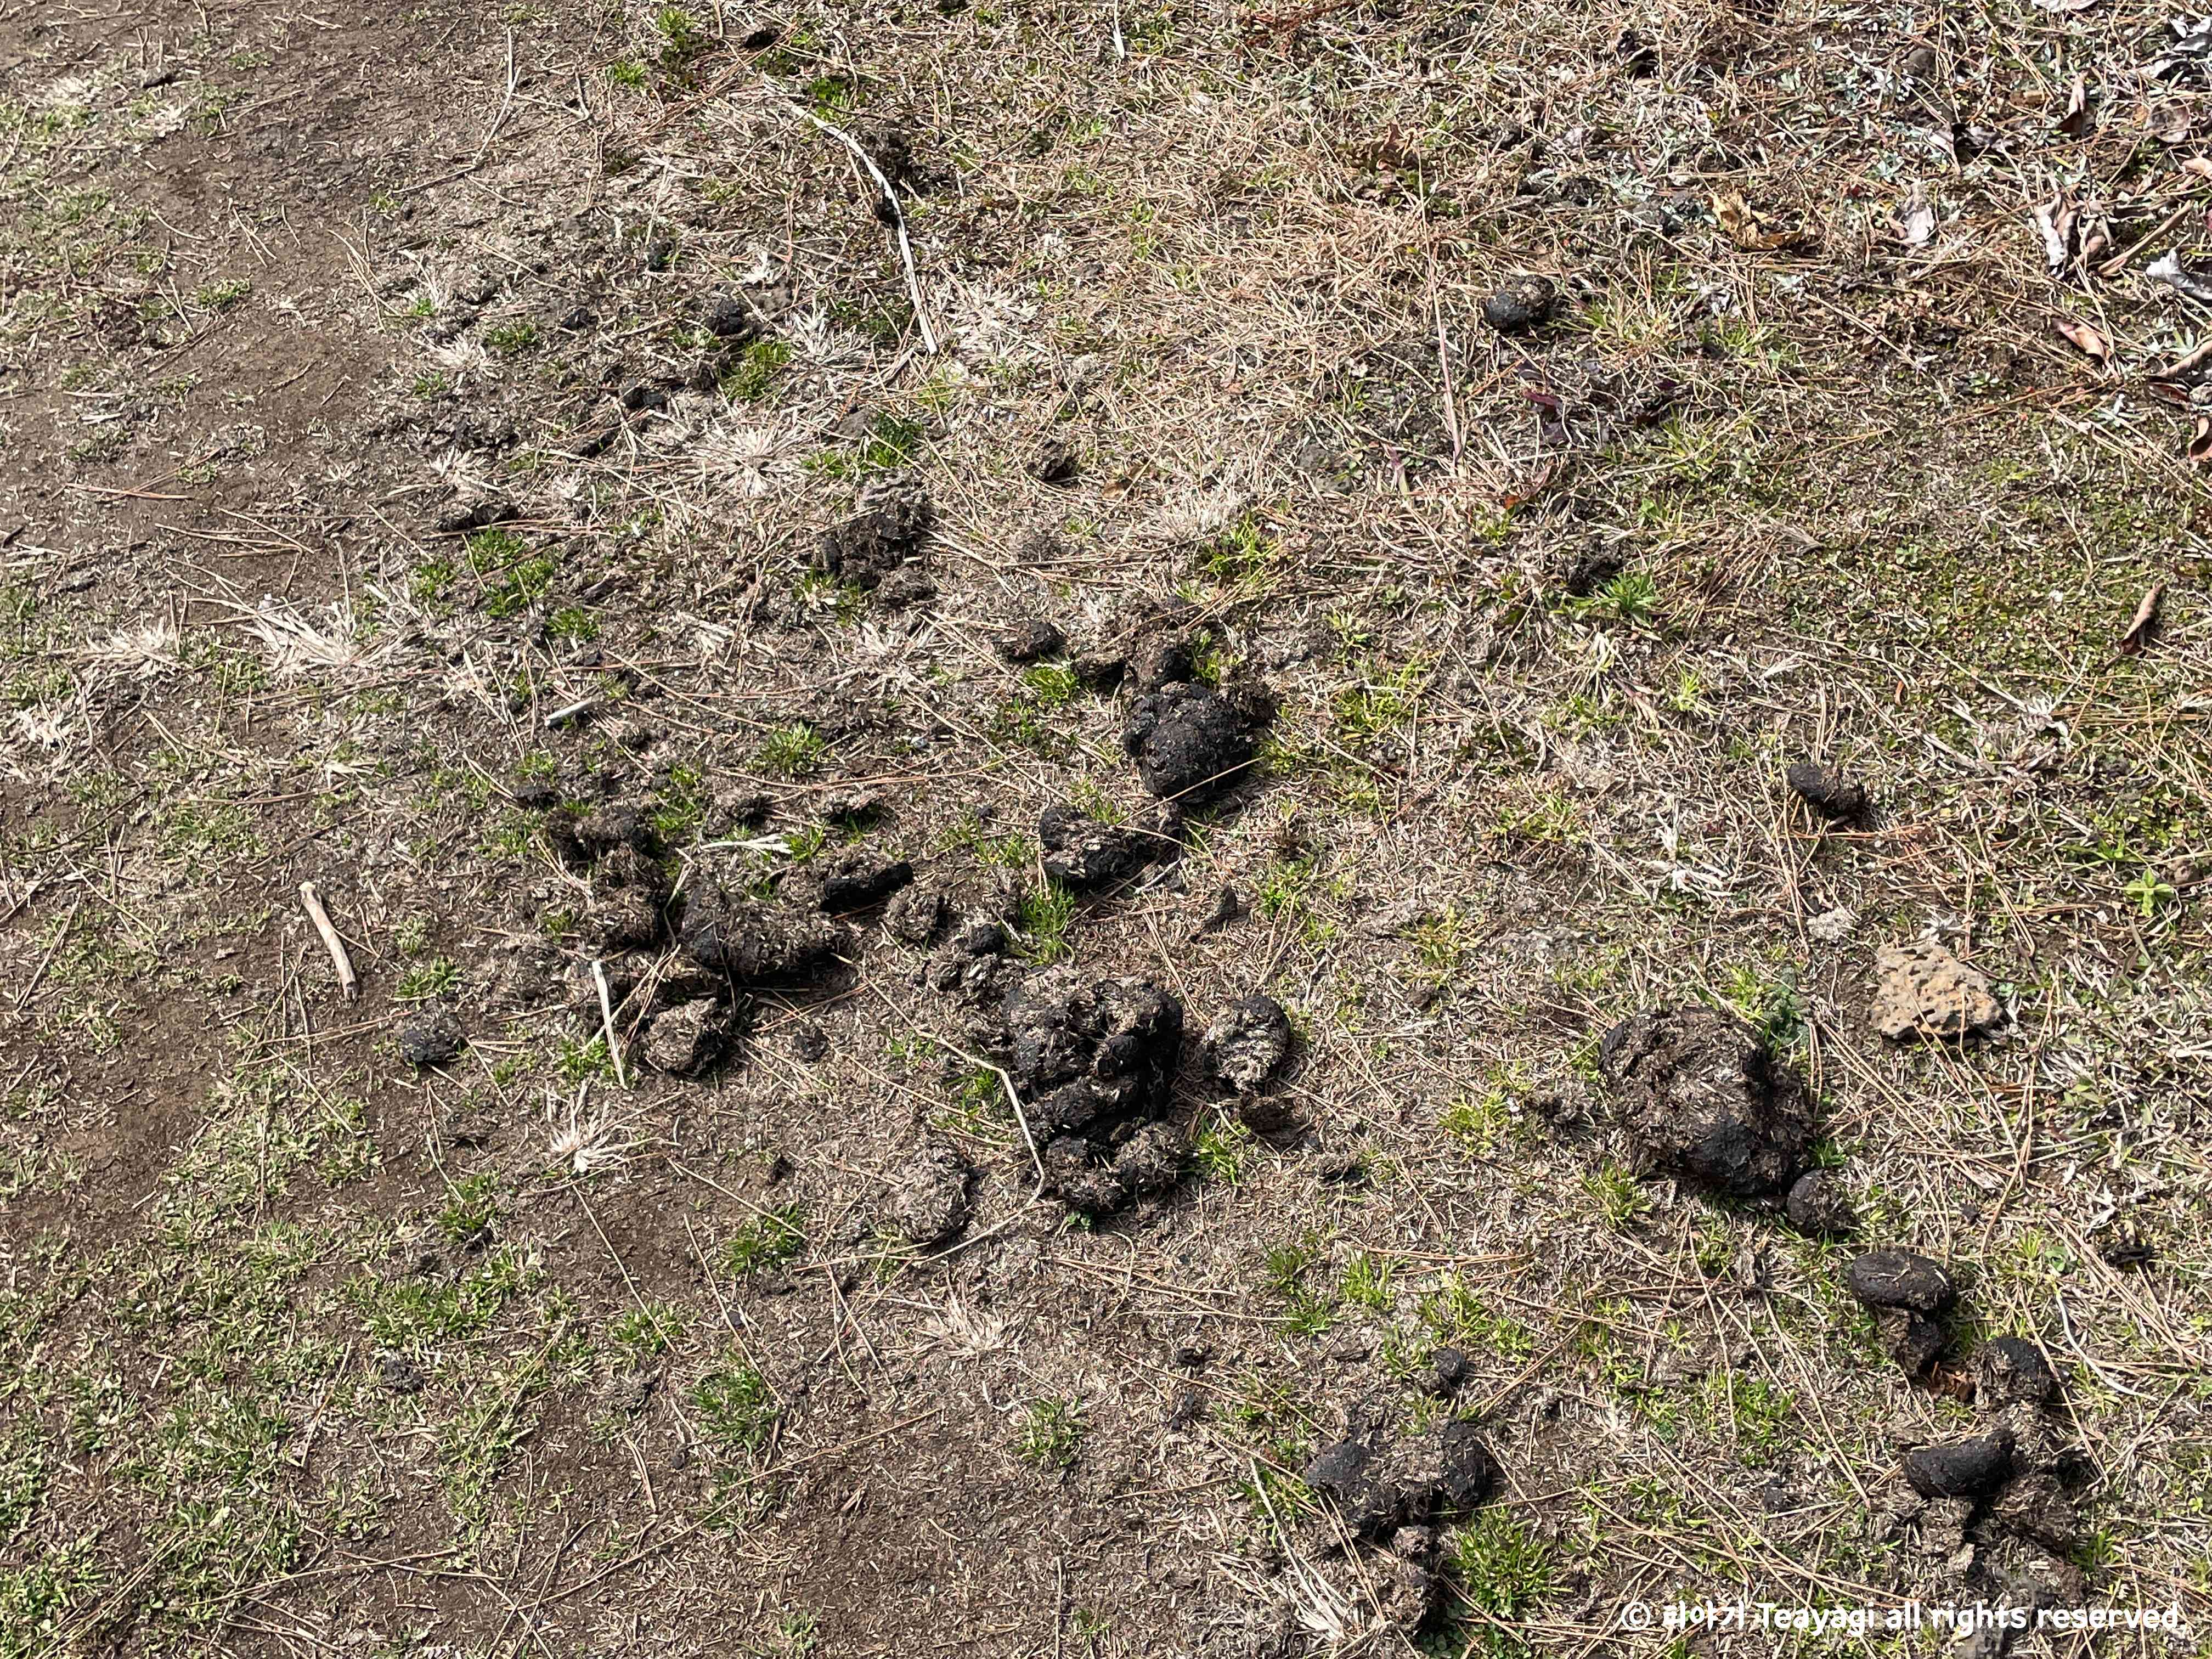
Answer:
(930, 1204)
(432, 1036)
(750, 943)
(1829, 794)
(1247, 1043)
(1395, 1494)
(1187, 742)
(686, 1040)
(1703, 1097)
(1057, 462)
(1084, 854)
(1818, 1203)
(857, 879)
(892, 522)
(1523, 304)
(1031, 640)
(1908, 1295)
(1924, 991)
(916, 914)
(1095, 1062)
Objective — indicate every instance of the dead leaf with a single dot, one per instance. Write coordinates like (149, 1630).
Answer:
(2075, 122)
(2063, 6)
(2086, 339)
(2199, 165)
(2146, 621)
(2055, 220)
(1916, 225)
(1744, 228)
(2199, 449)
(2169, 270)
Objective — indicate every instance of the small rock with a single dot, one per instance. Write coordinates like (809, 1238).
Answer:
(1924, 991)
(931, 1204)
(1525, 303)
(1031, 640)
(1962, 1468)
(1188, 742)
(2012, 1371)
(686, 1040)
(1818, 1204)
(1704, 1098)
(432, 1036)
(1083, 854)
(855, 880)
(1831, 794)
(914, 916)
(894, 519)
(1899, 1278)
(1056, 462)
(1247, 1043)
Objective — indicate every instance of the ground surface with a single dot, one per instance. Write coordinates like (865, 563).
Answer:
(1862, 429)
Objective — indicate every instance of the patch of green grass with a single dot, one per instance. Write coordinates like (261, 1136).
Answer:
(221, 295)
(419, 1312)
(1051, 1433)
(512, 339)
(1771, 1001)
(1620, 1200)
(681, 809)
(573, 623)
(648, 1330)
(1044, 915)
(1218, 1152)
(752, 379)
(1243, 552)
(1052, 684)
(1455, 1316)
(968, 834)
(470, 1208)
(1369, 1281)
(734, 1406)
(1285, 1272)
(627, 72)
(1501, 1566)
(426, 980)
(768, 1240)
(1752, 1410)
(790, 752)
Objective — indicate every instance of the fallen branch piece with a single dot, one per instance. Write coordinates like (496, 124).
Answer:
(349, 982)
